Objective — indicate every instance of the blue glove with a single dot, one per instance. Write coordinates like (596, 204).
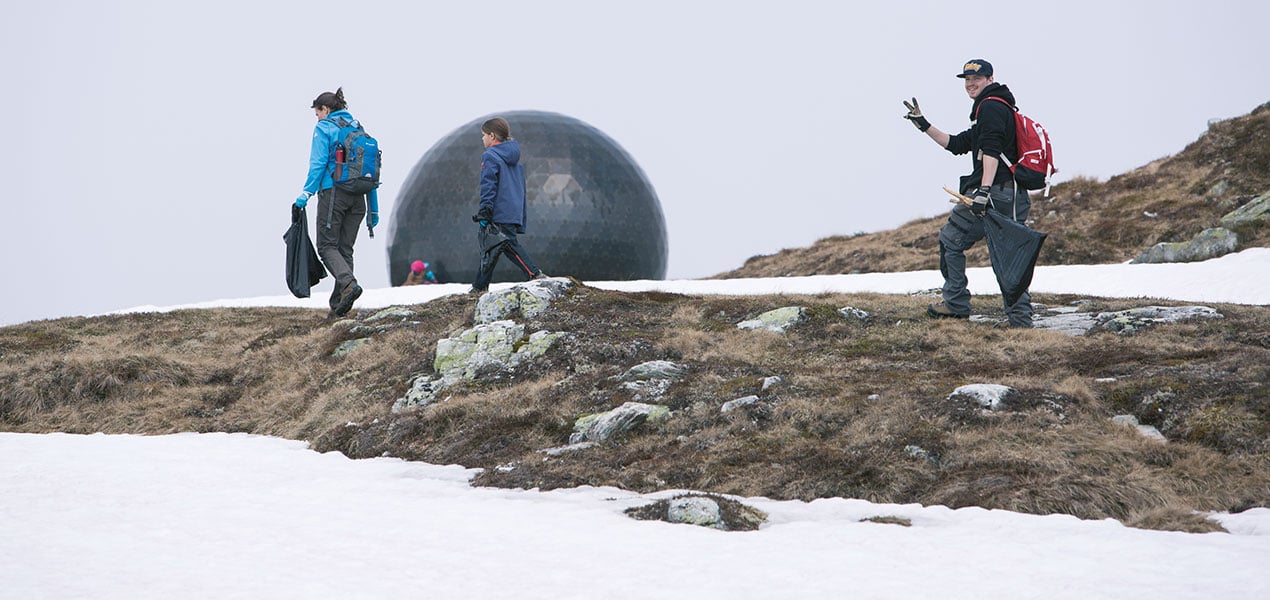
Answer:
(979, 202)
(372, 220)
(302, 200)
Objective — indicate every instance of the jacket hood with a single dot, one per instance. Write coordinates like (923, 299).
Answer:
(998, 90)
(341, 114)
(508, 151)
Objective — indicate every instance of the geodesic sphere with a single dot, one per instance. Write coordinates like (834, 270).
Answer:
(592, 213)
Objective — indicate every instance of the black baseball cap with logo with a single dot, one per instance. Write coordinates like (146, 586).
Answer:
(976, 66)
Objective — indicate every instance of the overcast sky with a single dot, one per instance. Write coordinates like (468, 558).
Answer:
(154, 147)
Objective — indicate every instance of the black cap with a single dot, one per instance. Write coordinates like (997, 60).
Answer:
(976, 66)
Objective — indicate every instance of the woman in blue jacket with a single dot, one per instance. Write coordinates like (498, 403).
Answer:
(339, 212)
(502, 206)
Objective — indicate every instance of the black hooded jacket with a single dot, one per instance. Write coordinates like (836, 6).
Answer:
(992, 133)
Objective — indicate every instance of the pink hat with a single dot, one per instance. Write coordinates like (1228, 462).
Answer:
(417, 266)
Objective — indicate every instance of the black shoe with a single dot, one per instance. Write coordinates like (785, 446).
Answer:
(939, 310)
(350, 295)
(476, 290)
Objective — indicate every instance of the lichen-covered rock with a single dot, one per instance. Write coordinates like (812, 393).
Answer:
(695, 510)
(1255, 211)
(1210, 243)
(349, 346)
(524, 301)
(732, 405)
(654, 369)
(1131, 320)
(777, 320)
(423, 391)
(602, 426)
(489, 347)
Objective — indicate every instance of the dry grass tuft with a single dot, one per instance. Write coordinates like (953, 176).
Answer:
(1169, 518)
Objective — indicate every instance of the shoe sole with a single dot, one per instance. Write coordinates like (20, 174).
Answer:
(346, 303)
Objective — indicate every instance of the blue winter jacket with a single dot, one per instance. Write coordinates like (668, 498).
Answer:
(503, 184)
(322, 157)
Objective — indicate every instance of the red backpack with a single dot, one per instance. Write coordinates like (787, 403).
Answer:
(1035, 162)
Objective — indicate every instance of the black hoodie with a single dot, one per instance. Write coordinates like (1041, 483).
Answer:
(991, 133)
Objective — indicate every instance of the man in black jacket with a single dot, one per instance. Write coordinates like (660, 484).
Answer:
(990, 184)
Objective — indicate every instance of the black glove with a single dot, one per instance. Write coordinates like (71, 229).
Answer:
(915, 115)
(979, 201)
(483, 216)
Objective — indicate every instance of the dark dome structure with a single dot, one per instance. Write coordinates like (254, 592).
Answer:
(592, 214)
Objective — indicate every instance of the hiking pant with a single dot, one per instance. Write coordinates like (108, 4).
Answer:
(514, 251)
(961, 232)
(339, 216)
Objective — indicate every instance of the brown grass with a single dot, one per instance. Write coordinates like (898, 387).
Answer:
(862, 411)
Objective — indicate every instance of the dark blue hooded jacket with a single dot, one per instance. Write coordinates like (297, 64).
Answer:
(503, 184)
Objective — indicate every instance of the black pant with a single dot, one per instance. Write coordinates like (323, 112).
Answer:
(514, 251)
(339, 216)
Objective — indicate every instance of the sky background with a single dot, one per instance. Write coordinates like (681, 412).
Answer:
(156, 146)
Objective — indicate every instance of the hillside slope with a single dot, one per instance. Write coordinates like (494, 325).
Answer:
(863, 409)
(1088, 222)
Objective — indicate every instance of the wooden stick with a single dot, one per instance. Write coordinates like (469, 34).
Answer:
(958, 198)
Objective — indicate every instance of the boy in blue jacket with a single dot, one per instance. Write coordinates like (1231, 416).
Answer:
(502, 207)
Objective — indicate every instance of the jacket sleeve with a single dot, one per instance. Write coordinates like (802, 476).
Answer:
(372, 201)
(995, 118)
(319, 154)
(489, 182)
(961, 143)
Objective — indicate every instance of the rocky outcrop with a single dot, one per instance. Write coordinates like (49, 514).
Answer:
(1256, 211)
(777, 320)
(602, 426)
(1210, 243)
(481, 350)
(524, 301)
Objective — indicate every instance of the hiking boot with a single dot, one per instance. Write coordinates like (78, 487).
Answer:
(475, 290)
(350, 295)
(542, 275)
(939, 310)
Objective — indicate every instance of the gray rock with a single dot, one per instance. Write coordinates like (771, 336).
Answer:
(392, 312)
(559, 450)
(771, 381)
(654, 369)
(489, 347)
(695, 510)
(988, 395)
(1131, 320)
(1146, 431)
(525, 301)
(349, 346)
(854, 313)
(777, 320)
(1255, 211)
(731, 405)
(423, 391)
(602, 426)
(1070, 323)
(1210, 243)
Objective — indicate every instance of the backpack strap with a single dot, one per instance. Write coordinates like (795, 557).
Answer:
(998, 99)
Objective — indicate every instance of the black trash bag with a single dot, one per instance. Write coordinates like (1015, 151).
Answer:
(492, 241)
(304, 269)
(1013, 248)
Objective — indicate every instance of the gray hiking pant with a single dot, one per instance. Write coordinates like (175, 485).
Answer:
(339, 216)
(961, 232)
